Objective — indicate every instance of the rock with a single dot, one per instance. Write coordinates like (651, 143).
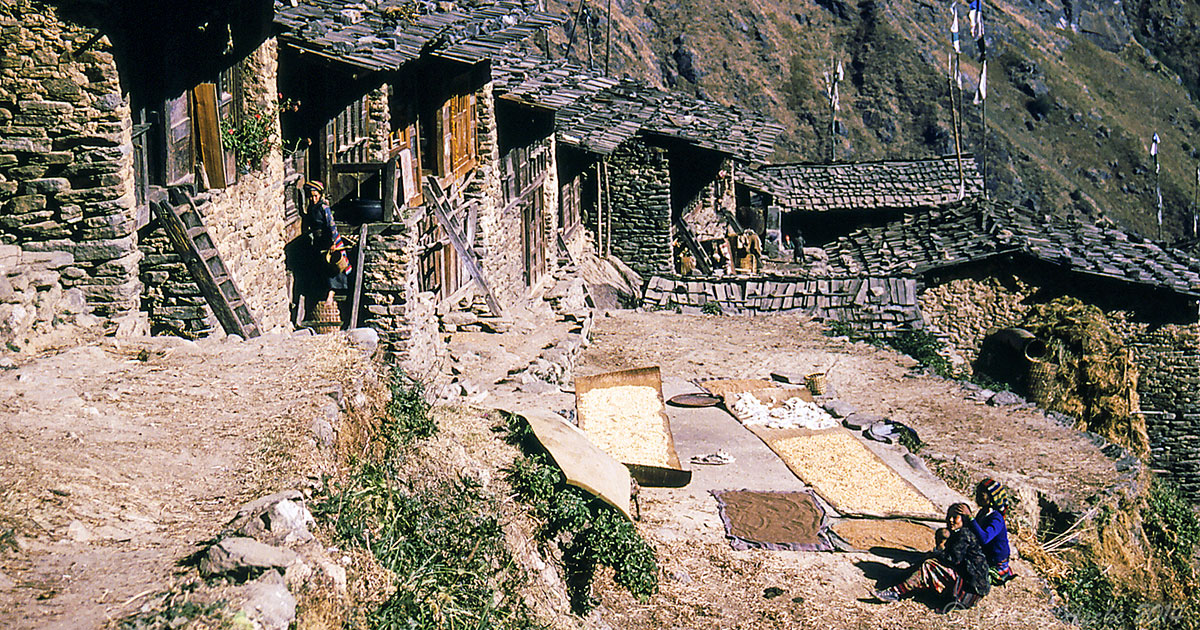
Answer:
(322, 432)
(278, 518)
(237, 555)
(365, 339)
(839, 408)
(1004, 399)
(859, 421)
(460, 318)
(133, 325)
(916, 463)
(79, 532)
(795, 378)
(6, 583)
(267, 602)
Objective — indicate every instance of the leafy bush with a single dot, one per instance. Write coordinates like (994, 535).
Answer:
(590, 533)
(1173, 530)
(408, 418)
(711, 308)
(1093, 600)
(250, 138)
(923, 347)
(443, 543)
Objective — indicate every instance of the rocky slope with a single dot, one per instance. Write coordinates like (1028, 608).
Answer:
(1076, 88)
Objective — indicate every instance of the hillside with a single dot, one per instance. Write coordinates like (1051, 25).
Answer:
(1073, 97)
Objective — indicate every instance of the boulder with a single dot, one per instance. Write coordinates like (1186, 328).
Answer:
(237, 555)
(839, 408)
(267, 602)
(1004, 399)
(277, 518)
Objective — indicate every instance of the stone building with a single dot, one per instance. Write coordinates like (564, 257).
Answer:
(449, 190)
(641, 168)
(980, 267)
(823, 201)
(112, 110)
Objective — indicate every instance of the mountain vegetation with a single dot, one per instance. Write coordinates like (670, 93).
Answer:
(1076, 89)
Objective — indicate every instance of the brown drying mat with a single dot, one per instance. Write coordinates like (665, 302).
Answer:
(769, 392)
(868, 533)
(773, 520)
(852, 479)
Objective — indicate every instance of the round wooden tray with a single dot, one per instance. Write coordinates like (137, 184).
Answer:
(695, 400)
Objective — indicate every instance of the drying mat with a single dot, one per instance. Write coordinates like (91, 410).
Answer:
(622, 413)
(866, 533)
(847, 474)
(773, 520)
(766, 391)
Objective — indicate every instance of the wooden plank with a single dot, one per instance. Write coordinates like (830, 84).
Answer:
(389, 191)
(358, 275)
(208, 132)
(465, 253)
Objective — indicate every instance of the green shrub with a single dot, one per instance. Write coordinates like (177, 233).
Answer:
(590, 533)
(408, 413)
(1173, 530)
(1093, 601)
(711, 308)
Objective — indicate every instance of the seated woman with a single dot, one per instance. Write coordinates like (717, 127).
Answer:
(990, 526)
(958, 569)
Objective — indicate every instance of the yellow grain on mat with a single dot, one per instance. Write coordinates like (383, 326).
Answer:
(625, 421)
(850, 476)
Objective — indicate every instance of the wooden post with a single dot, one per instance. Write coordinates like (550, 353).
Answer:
(608, 214)
(608, 37)
(389, 191)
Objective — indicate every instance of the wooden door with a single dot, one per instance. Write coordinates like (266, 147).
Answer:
(179, 139)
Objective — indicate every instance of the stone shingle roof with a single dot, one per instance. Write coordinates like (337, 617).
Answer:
(909, 184)
(977, 230)
(598, 113)
(384, 35)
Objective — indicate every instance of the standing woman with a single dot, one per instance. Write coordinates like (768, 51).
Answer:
(989, 524)
(330, 265)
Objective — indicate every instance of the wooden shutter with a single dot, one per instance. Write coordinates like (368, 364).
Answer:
(208, 133)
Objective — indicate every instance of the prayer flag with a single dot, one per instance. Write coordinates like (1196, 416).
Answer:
(954, 28)
(1154, 144)
(840, 74)
(981, 93)
(975, 15)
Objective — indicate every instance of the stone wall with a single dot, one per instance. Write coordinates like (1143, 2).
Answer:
(1168, 360)
(405, 317)
(247, 219)
(35, 310)
(964, 310)
(66, 182)
(498, 238)
(172, 300)
(640, 190)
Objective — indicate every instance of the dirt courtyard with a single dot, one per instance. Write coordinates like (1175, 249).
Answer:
(707, 584)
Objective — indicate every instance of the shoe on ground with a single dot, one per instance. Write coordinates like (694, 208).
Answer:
(888, 595)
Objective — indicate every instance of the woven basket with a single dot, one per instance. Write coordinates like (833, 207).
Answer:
(1041, 382)
(816, 383)
(326, 318)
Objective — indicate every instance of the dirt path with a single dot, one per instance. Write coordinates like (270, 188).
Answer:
(120, 457)
(709, 585)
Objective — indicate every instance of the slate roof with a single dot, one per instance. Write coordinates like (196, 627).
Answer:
(908, 184)
(977, 230)
(598, 113)
(376, 35)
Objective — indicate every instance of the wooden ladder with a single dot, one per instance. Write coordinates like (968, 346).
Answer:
(185, 227)
(458, 238)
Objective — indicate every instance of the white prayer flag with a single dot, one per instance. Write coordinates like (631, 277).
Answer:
(981, 93)
(1154, 144)
(840, 74)
(975, 15)
(954, 28)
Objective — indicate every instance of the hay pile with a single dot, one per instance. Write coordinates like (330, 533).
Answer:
(1090, 374)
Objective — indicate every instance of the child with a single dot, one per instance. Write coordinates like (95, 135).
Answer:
(989, 525)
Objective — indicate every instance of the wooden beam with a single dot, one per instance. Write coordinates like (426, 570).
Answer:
(433, 191)
(389, 191)
(359, 271)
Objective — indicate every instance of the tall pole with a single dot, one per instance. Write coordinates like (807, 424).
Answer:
(1157, 184)
(983, 123)
(574, 30)
(607, 37)
(955, 110)
(1195, 209)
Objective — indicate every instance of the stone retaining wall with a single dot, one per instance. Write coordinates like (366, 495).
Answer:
(172, 299)
(640, 190)
(66, 156)
(34, 305)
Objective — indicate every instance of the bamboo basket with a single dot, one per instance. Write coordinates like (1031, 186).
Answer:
(816, 383)
(327, 318)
